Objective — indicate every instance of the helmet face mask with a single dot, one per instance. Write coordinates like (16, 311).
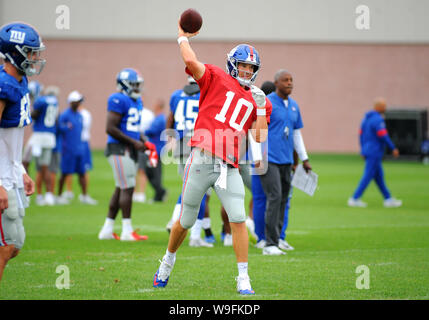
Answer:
(21, 45)
(32, 63)
(129, 82)
(243, 53)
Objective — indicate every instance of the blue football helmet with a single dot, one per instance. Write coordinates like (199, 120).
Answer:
(243, 53)
(35, 88)
(129, 82)
(21, 45)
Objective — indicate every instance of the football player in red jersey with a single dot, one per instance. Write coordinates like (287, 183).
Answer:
(229, 106)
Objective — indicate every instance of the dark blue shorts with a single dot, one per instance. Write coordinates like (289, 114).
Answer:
(73, 163)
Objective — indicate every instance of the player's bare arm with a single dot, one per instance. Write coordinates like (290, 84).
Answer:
(112, 128)
(188, 55)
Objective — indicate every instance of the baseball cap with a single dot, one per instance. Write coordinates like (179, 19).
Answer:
(74, 96)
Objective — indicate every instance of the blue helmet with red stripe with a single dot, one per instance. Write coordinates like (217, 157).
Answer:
(21, 45)
(243, 53)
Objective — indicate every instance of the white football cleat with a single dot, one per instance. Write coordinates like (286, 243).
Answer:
(139, 197)
(243, 285)
(227, 241)
(62, 200)
(392, 203)
(107, 235)
(198, 242)
(132, 236)
(284, 245)
(69, 195)
(86, 199)
(356, 203)
(272, 251)
(49, 199)
(261, 244)
(40, 200)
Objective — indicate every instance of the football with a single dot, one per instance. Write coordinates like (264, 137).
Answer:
(191, 21)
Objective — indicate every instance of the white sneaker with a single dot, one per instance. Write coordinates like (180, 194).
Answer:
(261, 244)
(272, 251)
(103, 235)
(284, 245)
(392, 203)
(40, 200)
(356, 203)
(86, 199)
(69, 195)
(49, 199)
(243, 285)
(139, 197)
(62, 200)
(227, 241)
(198, 242)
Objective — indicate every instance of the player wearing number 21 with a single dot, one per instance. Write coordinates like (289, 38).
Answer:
(230, 105)
(124, 110)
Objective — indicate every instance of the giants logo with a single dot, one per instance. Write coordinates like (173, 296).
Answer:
(17, 36)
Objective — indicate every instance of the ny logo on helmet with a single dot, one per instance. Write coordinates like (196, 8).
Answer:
(17, 36)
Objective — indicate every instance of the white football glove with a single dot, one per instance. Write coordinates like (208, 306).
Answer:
(258, 95)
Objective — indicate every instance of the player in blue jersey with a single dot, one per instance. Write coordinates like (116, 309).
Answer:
(43, 141)
(184, 111)
(20, 47)
(123, 143)
(373, 139)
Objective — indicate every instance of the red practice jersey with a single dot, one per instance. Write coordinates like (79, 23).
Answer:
(226, 113)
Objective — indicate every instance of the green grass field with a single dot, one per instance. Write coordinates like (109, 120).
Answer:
(331, 240)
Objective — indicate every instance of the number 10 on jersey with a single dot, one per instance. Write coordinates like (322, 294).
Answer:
(221, 116)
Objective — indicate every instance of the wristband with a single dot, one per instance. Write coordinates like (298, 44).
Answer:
(182, 38)
(261, 112)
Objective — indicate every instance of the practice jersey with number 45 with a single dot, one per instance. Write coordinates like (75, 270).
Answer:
(226, 113)
(185, 110)
(130, 110)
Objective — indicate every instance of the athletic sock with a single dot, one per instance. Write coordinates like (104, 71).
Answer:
(108, 225)
(196, 229)
(170, 257)
(242, 268)
(126, 226)
(206, 223)
(207, 227)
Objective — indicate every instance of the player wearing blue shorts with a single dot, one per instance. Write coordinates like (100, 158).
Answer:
(123, 143)
(20, 47)
(373, 139)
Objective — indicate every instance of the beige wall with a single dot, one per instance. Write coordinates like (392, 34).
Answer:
(334, 84)
(390, 21)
